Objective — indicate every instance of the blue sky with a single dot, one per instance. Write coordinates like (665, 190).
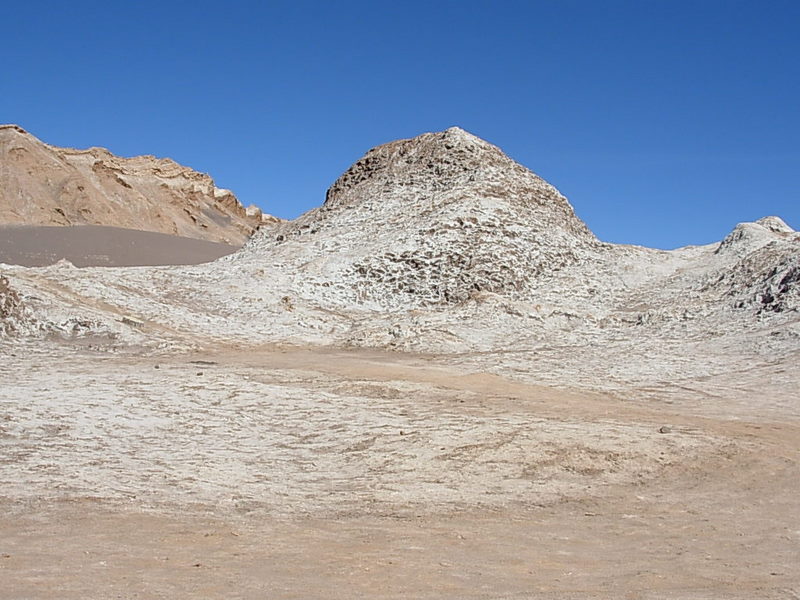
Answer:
(664, 123)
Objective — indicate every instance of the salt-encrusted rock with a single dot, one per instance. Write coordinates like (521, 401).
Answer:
(775, 224)
(441, 243)
(430, 220)
(12, 311)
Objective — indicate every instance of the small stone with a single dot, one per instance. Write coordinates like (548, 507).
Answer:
(665, 429)
(132, 322)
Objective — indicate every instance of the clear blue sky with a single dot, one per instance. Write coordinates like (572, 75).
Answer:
(664, 122)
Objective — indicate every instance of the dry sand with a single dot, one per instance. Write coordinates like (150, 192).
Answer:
(307, 473)
(101, 246)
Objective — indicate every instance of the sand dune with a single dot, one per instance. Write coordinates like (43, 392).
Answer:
(101, 246)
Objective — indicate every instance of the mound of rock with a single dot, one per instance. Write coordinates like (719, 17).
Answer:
(749, 237)
(430, 221)
(765, 274)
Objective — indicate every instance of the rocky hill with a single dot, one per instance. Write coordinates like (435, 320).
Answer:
(441, 243)
(431, 220)
(46, 185)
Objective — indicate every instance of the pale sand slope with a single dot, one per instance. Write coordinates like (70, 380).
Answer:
(311, 473)
(101, 246)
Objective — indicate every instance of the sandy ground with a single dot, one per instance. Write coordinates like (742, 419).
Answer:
(308, 473)
(102, 246)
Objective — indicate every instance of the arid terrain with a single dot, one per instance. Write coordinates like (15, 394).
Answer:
(46, 185)
(439, 384)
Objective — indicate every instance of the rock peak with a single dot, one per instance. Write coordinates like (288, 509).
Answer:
(13, 127)
(456, 137)
(747, 237)
(458, 133)
(775, 224)
(427, 164)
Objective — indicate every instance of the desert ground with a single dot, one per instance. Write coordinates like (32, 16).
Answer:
(301, 472)
(437, 384)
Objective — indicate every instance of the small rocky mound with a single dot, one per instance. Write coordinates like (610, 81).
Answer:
(50, 186)
(775, 224)
(255, 213)
(748, 237)
(764, 268)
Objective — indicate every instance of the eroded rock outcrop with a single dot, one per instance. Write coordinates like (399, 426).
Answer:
(764, 274)
(12, 311)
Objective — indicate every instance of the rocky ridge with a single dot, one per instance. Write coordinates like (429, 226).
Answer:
(47, 185)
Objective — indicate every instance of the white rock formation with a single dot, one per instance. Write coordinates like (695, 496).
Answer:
(442, 243)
